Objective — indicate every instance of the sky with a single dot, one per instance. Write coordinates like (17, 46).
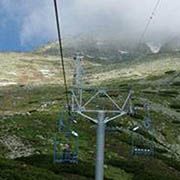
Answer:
(27, 24)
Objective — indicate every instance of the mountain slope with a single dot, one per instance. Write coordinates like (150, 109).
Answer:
(32, 96)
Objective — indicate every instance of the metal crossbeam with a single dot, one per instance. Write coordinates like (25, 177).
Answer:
(101, 120)
(113, 101)
(127, 99)
(91, 99)
(115, 117)
(88, 117)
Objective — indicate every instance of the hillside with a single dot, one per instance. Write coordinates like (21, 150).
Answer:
(32, 96)
(28, 68)
(95, 49)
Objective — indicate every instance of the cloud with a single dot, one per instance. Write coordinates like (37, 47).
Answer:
(34, 19)
(128, 18)
(39, 25)
(108, 18)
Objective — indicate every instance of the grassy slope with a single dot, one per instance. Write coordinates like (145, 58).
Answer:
(31, 113)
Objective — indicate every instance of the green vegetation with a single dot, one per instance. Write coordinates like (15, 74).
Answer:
(29, 115)
(38, 128)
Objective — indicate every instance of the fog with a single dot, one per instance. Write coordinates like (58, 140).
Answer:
(108, 19)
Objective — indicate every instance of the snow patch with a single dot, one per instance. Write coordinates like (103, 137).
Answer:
(46, 73)
(12, 73)
(155, 48)
(7, 83)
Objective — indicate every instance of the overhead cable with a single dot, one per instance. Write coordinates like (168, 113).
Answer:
(149, 21)
(61, 53)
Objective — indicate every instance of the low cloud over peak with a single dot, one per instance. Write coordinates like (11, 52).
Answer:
(111, 19)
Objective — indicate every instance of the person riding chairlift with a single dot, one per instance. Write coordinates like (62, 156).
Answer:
(67, 152)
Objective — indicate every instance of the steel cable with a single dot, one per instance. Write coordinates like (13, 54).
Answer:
(61, 54)
(149, 21)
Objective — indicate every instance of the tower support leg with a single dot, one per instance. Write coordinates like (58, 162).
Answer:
(100, 141)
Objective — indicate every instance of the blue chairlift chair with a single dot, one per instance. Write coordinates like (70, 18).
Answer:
(142, 151)
(63, 152)
(143, 148)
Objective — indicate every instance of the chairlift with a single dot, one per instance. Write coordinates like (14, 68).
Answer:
(141, 147)
(67, 151)
(136, 151)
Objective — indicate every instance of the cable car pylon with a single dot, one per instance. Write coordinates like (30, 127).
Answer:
(81, 107)
(86, 109)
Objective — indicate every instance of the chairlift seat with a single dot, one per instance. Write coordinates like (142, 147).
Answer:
(69, 158)
(142, 151)
(72, 160)
(65, 156)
